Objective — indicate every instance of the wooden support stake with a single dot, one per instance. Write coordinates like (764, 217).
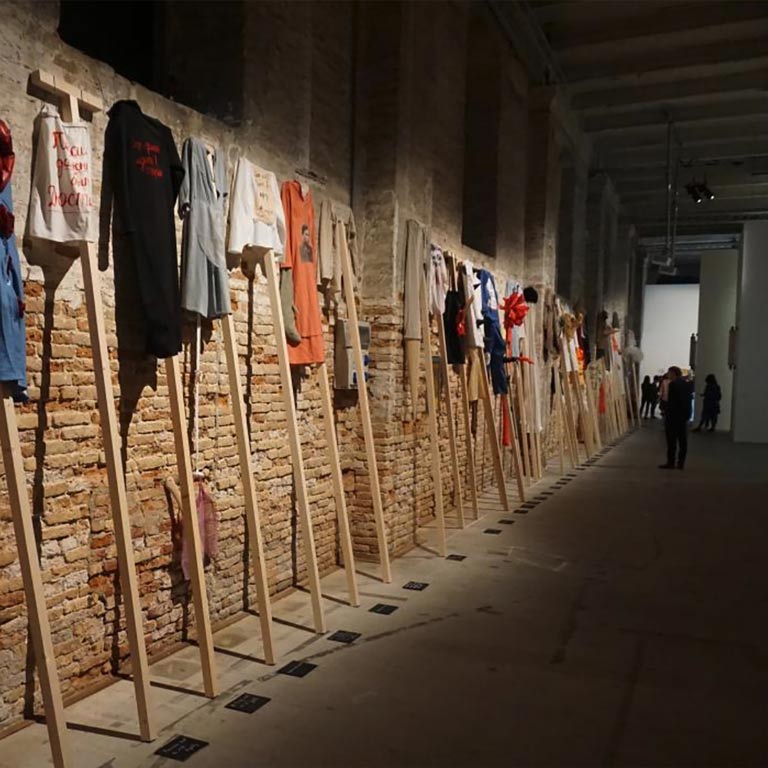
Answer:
(345, 537)
(523, 415)
(517, 461)
(365, 410)
(565, 422)
(70, 99)
(39, 627)
(117, 493)
(191, 527)
(252, 516)
(469, 442)
(493, 438)
(437, 477)
(569, 409)
(458, 485)
(297, 459)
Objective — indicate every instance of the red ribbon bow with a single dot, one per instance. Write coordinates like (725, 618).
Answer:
(515, 309)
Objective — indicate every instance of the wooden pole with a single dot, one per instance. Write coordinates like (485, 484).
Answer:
(517, 461)
(522, 412)
(493, 438)
(70, 98)
(297, 459)
(569, 409)
(39, 627)
(437, 478)
(365, 410)
(458, 485)
(565, 422)
(117, 493)
(190, 526)
(345, 537)
(469, 442)
(252, 516)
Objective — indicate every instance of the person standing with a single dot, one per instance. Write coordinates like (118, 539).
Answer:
(711, 408)
(657, 391)
(650, 394)
(677, 413)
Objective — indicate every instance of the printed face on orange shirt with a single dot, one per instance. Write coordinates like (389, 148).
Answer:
(305, 248)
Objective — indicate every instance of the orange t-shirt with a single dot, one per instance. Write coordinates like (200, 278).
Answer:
(301, 258)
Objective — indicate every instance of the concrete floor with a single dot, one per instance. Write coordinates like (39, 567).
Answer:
(619, 623)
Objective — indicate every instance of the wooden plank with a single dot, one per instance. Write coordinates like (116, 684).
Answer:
(517, 461)
(116, 480)
(565, 423)
(252, 516)
(60, 87)
(569, 409)
(469, 442)
(523, 416)
(365, 410)
(458, 485)
(39, 626)
(493, 437)
(294, 439)
(345, 536)
(437, 477)
(191, 527)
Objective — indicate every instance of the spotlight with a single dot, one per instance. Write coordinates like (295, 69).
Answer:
(693, 188)
(706, 191)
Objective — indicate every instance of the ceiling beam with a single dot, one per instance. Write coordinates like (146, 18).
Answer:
(610, 66)
(635, 119)
(592, 23)
(712, 88)
(686, 135)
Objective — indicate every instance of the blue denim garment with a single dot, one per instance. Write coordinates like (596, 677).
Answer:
(494, 340)
(13, 350)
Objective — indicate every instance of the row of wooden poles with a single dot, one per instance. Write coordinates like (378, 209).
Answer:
(575, 404)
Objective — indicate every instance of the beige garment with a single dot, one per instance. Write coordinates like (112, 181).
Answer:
(330, 273)
(475, 361)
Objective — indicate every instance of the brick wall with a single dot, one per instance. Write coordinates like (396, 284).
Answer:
(373, 103)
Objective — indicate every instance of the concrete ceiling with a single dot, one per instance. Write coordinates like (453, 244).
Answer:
(632, 67)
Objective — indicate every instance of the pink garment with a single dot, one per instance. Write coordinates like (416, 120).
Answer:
(208, 525)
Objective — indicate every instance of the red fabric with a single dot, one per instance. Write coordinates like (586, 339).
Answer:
(515, 309)
(506, 426)
(7, 158)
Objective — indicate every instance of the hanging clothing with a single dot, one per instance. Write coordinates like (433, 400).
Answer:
(455, 321)
(329, 253)
(437, 281)
(202, 206)
(494, 341)
(61, 205)
(415, 256)
(474, 313)
(414, 263)
(208, 526)
(256, 217)
(301, 259)
(146, 175)
(13, 351)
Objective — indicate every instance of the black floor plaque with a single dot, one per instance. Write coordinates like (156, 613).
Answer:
(416, 586)
(297, 669)
(528, 505)
(342, 636)
(181, 748)
(457, 558)
(248, 703)
(383, 609)
(492, 531)
(521, 511)
(506, 521)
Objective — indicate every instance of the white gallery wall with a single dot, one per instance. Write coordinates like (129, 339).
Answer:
(670, 316)
(750, 402)
(717, 313)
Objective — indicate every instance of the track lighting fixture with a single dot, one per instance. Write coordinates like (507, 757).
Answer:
(699, 191)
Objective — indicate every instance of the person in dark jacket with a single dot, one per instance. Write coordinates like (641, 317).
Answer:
(711, 408)
(649, 393)
(677, 413)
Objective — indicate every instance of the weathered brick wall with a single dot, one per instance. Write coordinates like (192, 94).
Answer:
(378, 115)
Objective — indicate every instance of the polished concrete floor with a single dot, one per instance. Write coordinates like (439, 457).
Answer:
(619, 622)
